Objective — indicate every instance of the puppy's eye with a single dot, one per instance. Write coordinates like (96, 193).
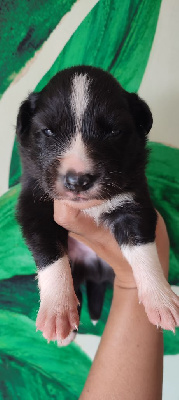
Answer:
(114, 133)
(47, 132)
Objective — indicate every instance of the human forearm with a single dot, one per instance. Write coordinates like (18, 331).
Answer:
(128, 363)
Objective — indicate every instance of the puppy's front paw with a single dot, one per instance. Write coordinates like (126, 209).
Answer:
(57, 320)
(58, 315)
(161, 306)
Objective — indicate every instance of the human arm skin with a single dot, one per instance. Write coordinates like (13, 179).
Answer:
(129, 362)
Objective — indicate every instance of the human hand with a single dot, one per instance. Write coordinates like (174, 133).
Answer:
(129, 344)
(100, 239)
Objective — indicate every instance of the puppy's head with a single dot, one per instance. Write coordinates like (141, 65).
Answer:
(83, 136)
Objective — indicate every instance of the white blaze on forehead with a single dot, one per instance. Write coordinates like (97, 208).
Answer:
(77, 147)
(75, 157)
(79, 97)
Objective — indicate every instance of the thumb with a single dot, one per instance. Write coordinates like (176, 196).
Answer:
(73, 219)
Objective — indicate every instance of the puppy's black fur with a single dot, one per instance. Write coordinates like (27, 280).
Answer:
(114, 130)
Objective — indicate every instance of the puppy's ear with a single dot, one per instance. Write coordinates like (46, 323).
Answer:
(26, 112)
(141, 113)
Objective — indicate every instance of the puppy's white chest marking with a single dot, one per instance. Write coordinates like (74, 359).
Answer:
(108, 206)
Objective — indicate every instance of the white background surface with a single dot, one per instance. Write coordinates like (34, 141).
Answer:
(160, 85)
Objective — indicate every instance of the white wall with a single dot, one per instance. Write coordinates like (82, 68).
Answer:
(160, 85)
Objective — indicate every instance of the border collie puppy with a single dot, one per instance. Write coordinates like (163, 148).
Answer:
(82, 139)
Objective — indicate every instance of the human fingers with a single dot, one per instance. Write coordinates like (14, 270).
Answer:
(98, 238)
(74, 220)
(103, 243)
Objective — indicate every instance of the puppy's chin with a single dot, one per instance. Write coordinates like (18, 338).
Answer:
(79, 201)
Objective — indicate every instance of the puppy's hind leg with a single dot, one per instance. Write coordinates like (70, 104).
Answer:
(95, 294)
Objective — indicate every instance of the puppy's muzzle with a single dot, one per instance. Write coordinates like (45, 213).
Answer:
(78, 182)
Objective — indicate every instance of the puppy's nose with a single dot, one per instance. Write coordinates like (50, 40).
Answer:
(78, 182)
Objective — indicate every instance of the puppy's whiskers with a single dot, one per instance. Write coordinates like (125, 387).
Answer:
(38, 192)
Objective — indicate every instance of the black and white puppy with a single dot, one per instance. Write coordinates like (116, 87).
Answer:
(82, 139)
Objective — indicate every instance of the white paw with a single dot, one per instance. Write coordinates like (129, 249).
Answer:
(57, 321)
(58, 315)
(161, 306)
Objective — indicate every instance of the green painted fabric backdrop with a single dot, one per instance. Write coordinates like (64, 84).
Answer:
(116, 35)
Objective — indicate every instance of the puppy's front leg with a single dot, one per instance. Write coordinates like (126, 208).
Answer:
(160, 302)
(58, 315)
(135, 233)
